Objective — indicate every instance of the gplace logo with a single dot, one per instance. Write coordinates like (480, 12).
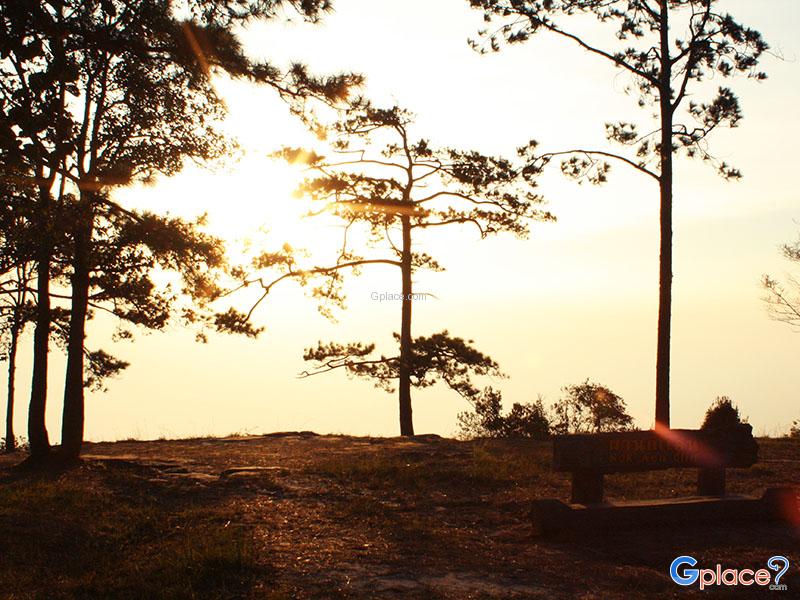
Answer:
(683, 573)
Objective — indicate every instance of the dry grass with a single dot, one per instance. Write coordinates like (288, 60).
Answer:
(99, 532)
(339, 517)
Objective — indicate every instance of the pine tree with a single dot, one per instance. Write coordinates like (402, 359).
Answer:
(667, 48)
(395, 186)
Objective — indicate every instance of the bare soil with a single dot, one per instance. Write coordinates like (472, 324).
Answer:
(304, 516)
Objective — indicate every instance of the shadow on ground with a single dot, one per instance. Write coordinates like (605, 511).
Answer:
(305, 516)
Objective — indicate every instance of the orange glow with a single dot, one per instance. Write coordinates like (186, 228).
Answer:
(691, 446)
(195, 46)
(789, 508)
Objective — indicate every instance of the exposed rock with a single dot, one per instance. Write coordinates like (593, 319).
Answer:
(250, 471)
(291, 434)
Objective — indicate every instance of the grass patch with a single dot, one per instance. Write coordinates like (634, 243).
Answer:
(481, 465)
(119, 536)
(202, 562)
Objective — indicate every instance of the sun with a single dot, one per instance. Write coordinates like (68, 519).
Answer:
(266, 191)
(250, 205)
(248, 199)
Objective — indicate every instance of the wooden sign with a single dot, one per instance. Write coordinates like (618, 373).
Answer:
(589, 456)
(647, 450)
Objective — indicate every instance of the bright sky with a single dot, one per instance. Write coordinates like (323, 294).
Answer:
(577, 300)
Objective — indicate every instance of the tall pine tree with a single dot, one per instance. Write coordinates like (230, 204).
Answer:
(667, 48)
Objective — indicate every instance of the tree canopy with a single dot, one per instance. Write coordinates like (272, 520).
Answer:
(102, 93)
(590, 408)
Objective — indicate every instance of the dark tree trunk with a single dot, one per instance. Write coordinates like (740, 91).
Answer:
(11, 444)
(73, 416)
(37, 430)
(665, 267)
(404, 386)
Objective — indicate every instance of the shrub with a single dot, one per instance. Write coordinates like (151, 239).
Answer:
(20, 443)
(590, 408)
(722, 414)
(527, 420)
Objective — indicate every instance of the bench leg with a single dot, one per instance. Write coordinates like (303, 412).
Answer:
(711, 482)
(587, 487)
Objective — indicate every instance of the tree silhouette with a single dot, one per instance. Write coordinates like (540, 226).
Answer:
(18, 299)
(16, 312)
(783, 300)
(380, 177)
(524, 420)
(721, 415)
(16, 273)
(34, 82)
(590, 408)
(102, 93)
(667, 47)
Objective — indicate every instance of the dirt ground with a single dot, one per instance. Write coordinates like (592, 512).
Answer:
(304, 516)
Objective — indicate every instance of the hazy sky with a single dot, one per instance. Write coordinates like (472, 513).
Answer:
(577, 300)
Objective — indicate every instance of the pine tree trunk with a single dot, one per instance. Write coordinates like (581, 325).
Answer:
(73, 416)
(37, 430)
(11, 444)
(404, 386)
(665, 268)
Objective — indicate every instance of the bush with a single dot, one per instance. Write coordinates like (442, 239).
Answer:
(590, 408)
(722, 414)
(20, 443)
(527, 421)
(794, 432)
(487, 421)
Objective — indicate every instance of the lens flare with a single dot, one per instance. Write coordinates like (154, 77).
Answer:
(691, 446)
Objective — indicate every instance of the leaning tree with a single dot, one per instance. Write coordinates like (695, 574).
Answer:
(668, 48)
(393, 186)
(126, 93)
